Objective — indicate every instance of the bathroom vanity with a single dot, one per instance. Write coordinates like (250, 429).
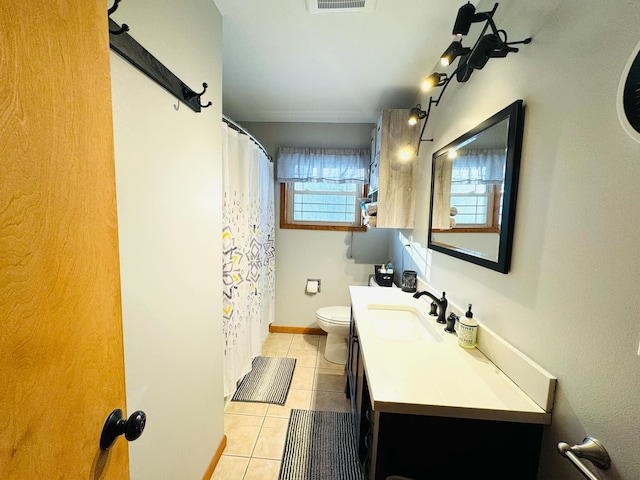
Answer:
(425, 408)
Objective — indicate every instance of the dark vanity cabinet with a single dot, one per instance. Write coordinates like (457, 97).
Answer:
(358, 392)
(355, 377)
(423, 447)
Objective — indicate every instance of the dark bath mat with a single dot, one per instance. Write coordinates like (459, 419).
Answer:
(267, 382)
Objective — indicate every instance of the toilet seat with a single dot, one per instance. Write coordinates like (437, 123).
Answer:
(335, 315)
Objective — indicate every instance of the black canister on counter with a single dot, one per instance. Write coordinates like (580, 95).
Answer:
(409, 281)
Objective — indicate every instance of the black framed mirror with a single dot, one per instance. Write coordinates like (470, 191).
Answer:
(474, 183)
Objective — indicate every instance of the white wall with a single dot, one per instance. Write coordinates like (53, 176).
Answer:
(571, 299)
(338, 259)
(168, 167)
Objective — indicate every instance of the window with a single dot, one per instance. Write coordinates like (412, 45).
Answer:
(320, 205)
(321, 188)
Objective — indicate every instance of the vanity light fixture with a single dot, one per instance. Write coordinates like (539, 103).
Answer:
(416, 114)
(452, 52)
(434, 80)
(492, 46)
(488, 45)
(467, 15)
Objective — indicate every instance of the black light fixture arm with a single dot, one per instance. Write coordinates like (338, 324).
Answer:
(526, 41)
(432, 103)
(490, 21)
(444, 87)
(424, 125)
(498, 32)
(435, 103)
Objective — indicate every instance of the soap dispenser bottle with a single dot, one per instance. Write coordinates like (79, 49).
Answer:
(467, 330)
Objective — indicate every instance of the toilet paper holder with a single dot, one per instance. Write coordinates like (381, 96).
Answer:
(313, 286)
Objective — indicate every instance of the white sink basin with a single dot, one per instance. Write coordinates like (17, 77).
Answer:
(395, 322)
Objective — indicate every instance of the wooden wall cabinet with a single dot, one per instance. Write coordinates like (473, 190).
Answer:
(393, 168)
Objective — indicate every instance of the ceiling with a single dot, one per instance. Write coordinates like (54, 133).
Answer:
(282, 63)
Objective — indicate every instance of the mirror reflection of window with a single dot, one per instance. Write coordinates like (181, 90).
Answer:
(477, 187)
(469, 190)
(473, 206)
(474, 185)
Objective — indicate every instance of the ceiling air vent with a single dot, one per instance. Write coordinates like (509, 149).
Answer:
(340, 6)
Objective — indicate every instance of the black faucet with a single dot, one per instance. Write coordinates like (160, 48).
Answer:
(442, 304)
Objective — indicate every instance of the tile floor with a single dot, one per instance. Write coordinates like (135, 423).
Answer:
(256, 431)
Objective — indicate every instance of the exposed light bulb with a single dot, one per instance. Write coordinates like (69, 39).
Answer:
(415, 114)
(433, 80)
(427, 84)
(406, 153)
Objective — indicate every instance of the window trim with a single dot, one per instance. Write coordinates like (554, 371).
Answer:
(313, 226)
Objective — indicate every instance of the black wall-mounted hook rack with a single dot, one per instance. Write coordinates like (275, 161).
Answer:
(134, 53)
(190, 94)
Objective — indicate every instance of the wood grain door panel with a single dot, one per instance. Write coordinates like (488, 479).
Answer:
(61, 352)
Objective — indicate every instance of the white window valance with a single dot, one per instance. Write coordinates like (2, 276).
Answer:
(475, 167)
(330, 165)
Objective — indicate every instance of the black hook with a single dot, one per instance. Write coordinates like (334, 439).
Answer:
(114, 7)
(124, 27)
(121, 30)
(198, 95)
(190, 95)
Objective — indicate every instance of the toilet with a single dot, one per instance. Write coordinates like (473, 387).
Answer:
(335, 321)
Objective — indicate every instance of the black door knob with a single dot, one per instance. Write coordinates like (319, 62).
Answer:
(116, 425)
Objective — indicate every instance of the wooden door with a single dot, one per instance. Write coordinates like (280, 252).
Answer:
(61, 352)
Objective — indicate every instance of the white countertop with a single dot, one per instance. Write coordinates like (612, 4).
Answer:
(439, 379)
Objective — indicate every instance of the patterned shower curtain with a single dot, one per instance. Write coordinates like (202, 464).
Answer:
(248, 262)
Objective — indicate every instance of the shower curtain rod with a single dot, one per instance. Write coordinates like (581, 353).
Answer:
(238, 128)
